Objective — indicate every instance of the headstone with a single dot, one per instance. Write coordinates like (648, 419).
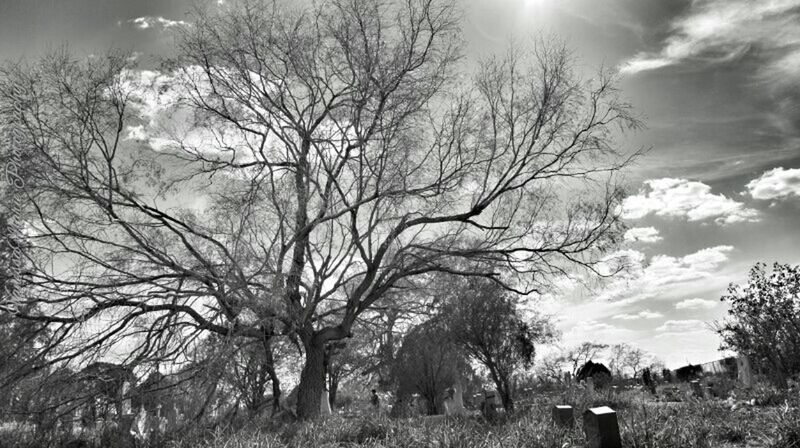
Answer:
(745, 371)
(601, 428)
(126, 422)
(454, 404)
(563, 416)
(489, 407)
(567, 378)
(325, 404)
(590, 384)
(697, 389)
(140, 427)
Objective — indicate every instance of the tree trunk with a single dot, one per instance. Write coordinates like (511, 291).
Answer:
(273, 376)
(312, 381)
(503, 386)
(333, 386)
(505, 395)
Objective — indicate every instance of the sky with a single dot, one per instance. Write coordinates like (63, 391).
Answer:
(716, 82)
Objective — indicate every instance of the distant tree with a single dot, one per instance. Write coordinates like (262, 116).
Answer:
(551, 368)
(688, 372)
(596, 371)
(483, 319)
(626, 359)
(576, 357)
(764, 320)
(428, 363)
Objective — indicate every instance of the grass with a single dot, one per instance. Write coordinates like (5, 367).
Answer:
(644, 423)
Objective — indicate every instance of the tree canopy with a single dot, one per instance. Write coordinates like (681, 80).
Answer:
(331, 154)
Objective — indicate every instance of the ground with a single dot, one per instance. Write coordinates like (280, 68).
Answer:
(762, 417)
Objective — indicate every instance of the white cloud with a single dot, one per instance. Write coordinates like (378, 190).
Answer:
(592, 330)
(682, 326)
(643, 235)
(681, 198)
(146, 22)
(722, 30)
(639, 281)
(695, 304)
(646, 314)
(778, 183)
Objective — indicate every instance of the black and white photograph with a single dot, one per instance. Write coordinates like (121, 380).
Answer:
(400, 223)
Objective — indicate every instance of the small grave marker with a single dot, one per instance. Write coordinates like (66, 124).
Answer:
(601, 428)
(697, 389)
(563, 415)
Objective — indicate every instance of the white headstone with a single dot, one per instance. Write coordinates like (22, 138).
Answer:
(601, 428)
(454, 404)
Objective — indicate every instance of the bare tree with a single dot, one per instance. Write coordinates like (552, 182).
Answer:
(342, 153)
(576, 357)
(624, 357)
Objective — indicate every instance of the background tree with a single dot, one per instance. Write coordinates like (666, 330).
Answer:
(764, 320)
(483, 319)
(428, 363)
(338, 154)
(577, 356)
(625, 359)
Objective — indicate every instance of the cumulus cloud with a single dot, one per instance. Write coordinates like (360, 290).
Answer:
(643, 235)
(778, 183)
(682, 326)
(146, 22)
(695, 304)
(646, 314)
(691, 200)
(640, 281)
(722, 30)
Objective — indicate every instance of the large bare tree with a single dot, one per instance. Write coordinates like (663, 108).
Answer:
(332, 152)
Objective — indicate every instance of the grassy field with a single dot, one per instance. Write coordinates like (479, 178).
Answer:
(644, 422)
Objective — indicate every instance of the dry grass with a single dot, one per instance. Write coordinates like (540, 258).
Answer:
(644, 423)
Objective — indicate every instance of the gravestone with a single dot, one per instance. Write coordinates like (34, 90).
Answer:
(454, 404)
(590, 384)
(745, 371)
(563, 416)
(567, 378)
(489, 407)
(325, 404)
(697, 388)
(601, 428)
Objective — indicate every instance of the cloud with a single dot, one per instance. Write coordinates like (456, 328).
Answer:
(646, 314)
(682, 326)
(722, 30)
(775, 184)
(146, 22)
(643, 235)
(593, 330)
(695, 304)
(681, 198)
(639, 281)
